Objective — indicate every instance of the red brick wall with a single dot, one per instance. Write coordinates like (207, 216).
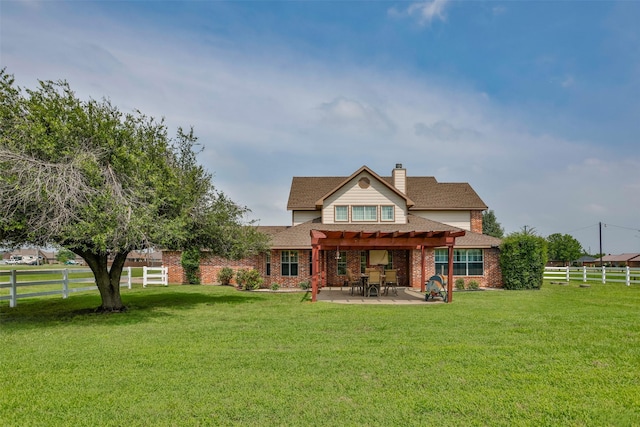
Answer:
(492, 277)
(492, 272)
(408, 264)
(210, 266)
(476, 221)
(416, 266)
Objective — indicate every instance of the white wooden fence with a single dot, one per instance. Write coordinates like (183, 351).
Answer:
(625, 275)
(63, 277)
(155, 276)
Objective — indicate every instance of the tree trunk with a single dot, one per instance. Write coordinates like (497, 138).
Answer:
(107, 280)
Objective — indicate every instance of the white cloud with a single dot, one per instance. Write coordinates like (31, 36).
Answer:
(498, 10)
(348, 113)
(264, 117)
(445, 131)
(568, 81)
(429, 10)
(426, 11)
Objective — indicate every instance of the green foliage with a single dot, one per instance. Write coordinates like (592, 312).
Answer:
(474, 285)
(564, 247)
(249, 279)
(64, 255)
(490, 225)
(459, 283)
(523, 256)
(225, 275)
(305, 285)
(99, 182)
(190, 261)
(274, 287)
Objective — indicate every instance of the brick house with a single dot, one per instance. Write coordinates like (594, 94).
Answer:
(415, 225)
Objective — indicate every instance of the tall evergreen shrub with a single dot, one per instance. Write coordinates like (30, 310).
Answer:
(190, 261)
(523, 256)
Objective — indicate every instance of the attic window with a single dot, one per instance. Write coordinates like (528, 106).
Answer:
(364, 213)
(342, 213)
(364, 182)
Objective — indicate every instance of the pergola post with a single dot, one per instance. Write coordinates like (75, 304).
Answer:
(423, 269)
(450, 274)
(315, 251)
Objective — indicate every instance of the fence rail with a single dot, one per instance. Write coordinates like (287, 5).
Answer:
(155, 276)
(65, 278)
(628, 276)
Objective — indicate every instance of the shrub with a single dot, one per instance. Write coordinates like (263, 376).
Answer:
(473, 284)
(459, 283)
(305, 285)
(225, 275)
(190, 261)
(274, 286)
(249, 279)
(241, 278)
(523, 256)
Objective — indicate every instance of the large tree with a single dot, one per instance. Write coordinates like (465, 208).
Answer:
(490, 225)
(564, 247)
(101, 183)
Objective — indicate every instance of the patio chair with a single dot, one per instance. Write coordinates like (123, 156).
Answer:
(390, 282)
(373, 283)
(353, 281)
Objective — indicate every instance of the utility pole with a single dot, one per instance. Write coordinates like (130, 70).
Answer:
(601, 254)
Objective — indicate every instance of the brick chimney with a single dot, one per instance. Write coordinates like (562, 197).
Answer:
(399, 175)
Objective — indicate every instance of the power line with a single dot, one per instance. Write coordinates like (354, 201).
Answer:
(583, 228)
(620, 226)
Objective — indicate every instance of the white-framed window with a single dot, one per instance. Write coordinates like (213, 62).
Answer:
(364, 213)
(341, 263)
(342, 213)
(387, 213)
(466, 262)
(289, 263)
(268, 263)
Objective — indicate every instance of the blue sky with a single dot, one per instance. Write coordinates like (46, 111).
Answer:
(535, 104)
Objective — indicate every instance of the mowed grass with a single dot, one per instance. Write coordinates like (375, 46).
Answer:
(210, 355)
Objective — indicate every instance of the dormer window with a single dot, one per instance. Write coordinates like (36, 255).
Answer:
(364, 213)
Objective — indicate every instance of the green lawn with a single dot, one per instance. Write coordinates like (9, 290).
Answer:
(208, 355)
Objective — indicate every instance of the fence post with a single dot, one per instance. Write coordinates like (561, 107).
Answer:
(129, 277)
(165, 275)
(567, 280)
(13, 290)
(144, 276)
(628, 276)
(65, 283)
(604, 274)
(584, 273)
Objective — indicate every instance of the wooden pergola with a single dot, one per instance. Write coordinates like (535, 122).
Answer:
(327, 240)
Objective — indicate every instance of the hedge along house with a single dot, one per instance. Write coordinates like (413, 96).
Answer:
(414, 225)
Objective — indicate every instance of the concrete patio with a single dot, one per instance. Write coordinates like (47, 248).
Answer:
(343, 296)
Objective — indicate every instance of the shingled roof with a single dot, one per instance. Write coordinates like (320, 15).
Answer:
(298, 237)
(425, 192)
